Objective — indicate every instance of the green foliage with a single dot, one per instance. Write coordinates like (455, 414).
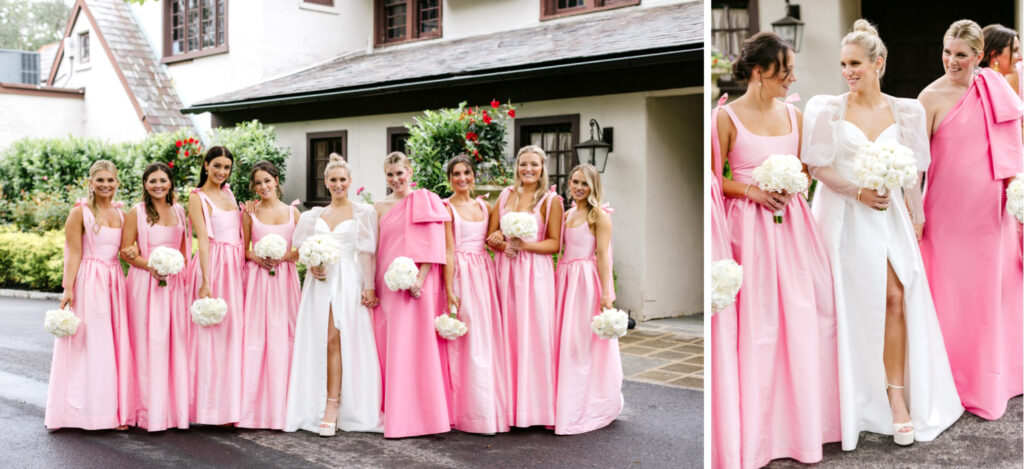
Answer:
(31, 25)
(439, 135)
(32, 260)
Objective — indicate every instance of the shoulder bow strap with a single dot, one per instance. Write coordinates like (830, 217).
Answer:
(716, 146)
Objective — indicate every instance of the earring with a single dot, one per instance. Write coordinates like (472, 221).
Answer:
(997, 65)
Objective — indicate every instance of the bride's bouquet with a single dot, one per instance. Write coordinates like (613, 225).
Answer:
(726, 279)
(166, 261)
(519, 225)
(209, 311)
(401, 274)
(781, 173)
(1015, 198)
(319, 250)
(61, 322)
(271, 246)
(610, 324)
(449, 326)
(884, 166)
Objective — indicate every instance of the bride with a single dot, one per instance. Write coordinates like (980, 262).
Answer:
(335, 375)
(894, 376)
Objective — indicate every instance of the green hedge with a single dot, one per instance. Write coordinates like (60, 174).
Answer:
(32, 261)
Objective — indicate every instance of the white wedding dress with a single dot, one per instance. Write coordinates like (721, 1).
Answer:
(860, 240)
(360, 408)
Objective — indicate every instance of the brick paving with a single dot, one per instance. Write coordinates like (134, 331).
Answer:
(665, 351)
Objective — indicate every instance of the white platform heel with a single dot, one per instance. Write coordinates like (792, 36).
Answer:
(902, 438)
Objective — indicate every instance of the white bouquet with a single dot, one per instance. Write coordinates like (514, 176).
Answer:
(209, 311)
(1015, 198)
(166, 261)
(726, 279)
(884, 166)
(519, 225)
(610, 324)
(781, 173)
(271, 246)
(319, 250)
(401, 274)
(449, 326)
(61, 322)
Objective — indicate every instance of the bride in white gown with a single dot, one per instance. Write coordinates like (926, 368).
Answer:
(867, 236)
(340, 295)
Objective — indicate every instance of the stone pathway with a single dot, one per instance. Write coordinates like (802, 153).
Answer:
(666, 351)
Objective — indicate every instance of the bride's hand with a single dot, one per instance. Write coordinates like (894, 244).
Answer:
(871, 198)
(771, 200)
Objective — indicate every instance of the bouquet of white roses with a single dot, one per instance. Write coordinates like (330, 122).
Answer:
(884, 166)
(319, 250)
(209, 311)
(166, 261)
(61, 322)
(401, 274)
(271, 246)
(610, 324)
(1015, 198)
(449, 326)
(519, 225)
(726, 279)
(781, 173)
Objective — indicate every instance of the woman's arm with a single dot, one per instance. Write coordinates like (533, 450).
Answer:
(495, 239)
(449, 266)
(195, 214)
(604, 258)
(73, 229)
(247, 236)
(293, 254)
(130, 236)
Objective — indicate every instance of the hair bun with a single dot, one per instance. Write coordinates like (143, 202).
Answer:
(335, 158)
(863, 25)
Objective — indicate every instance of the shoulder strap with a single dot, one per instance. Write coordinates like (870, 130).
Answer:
(717, 164)
(184, 222)
(142, 227)
(203, 200)
(503, 199)
(456, 220)
(548, 199)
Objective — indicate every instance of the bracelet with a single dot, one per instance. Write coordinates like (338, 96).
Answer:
(745, 191)
(858, 193)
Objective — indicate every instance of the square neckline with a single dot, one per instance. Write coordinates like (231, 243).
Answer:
(790, 110)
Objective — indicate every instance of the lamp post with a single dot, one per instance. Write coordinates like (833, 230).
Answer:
(595, 151)
(790, 28)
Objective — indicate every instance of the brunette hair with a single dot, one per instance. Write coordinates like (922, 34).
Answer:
(270, 169)
(593, 203)
(460, 158)
(766, 50)
(996, 38)
(152, 216)
(212, 153)
(969, 32)
(865, 35)
(542, 183)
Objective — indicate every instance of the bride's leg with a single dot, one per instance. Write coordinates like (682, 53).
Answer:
(894, 354)
(333, 370)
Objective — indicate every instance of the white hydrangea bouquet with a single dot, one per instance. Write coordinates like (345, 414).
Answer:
(271, 246)
(401, 274)
(61, 322)
(781, 173)
(449, 326)
(209, 311)
(319, 250)
(519, 225)
(166, 261)
(610, 324)
(726, 279)
(1015, 198)
(884, 166)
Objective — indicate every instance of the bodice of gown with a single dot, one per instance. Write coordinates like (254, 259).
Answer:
(226, 226)
(750, 150)
(284, 230)
(344, 233)
(166, 236)
(472, 235)
(849, 139)
(105, 245)
(579, 243)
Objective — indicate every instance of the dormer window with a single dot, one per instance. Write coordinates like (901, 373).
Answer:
(194, 28)
(406, 20)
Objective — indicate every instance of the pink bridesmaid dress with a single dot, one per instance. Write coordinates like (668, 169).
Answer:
(588, 395)
(971, 250)
(477, 362)
(413, 358)
(92, 374)
(271, 307)
(786, 343)
(217, 349)
(160, 325)
(526, 290)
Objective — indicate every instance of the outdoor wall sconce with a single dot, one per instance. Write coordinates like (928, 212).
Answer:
(595, 151)
(790, 28)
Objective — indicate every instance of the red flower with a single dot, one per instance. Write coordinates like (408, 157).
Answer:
(478, 159)
(170, 165)
(191, 140)
(476, 152)
(487, 118)
(360, 190)
(472, 136)
(495, 103)
(186, 152)
(512, 113)
(412, 184)
(178, 144)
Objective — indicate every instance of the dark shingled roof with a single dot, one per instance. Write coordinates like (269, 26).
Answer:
(615, 33)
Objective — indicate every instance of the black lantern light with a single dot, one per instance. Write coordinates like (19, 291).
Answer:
(790, 28)
(595, 151)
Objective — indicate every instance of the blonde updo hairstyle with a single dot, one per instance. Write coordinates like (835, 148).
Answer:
(969, 32)
(866, 36)
(542, 182)
(336, 161)
(593, 202)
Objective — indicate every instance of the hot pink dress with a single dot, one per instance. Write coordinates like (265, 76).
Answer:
(92, 375)
(526, 290)
(589, 382)
(477, 362)
(160, 324)
(413, 358)
(971, 249)
(217, 349)
(786, 345)
(271, 306)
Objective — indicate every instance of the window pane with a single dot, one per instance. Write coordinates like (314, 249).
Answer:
(193, 25)
(570, 4)
(220, 22)
(430, 16)
(394, 19)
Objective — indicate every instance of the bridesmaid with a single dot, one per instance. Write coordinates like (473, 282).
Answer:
(786, 348)
(217, 349)
(413, 358)
(335, 375)
(971, 249)
(589, 381)
(91, 374)
(270, 306)
(526, 289)
(477, 362)
(158, 315)
(1002, 53)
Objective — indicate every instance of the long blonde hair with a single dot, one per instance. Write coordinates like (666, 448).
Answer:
(542, 182)
(592, 207)
(99, 165)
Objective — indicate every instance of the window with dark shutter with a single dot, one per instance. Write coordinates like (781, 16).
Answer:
(194, 28)
(319, 146)
(406, 20)
(559, 8)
